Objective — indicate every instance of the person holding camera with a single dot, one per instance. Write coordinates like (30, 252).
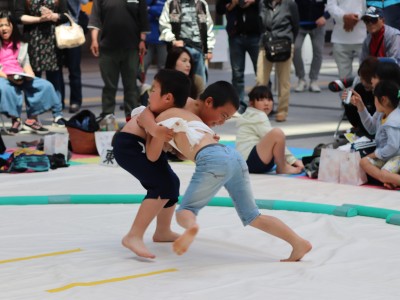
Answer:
(243, 36)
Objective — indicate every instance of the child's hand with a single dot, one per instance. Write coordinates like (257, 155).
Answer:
(357, 101)
(216, 137)
(164, 133)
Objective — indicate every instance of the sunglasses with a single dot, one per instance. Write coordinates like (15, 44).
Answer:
(370, 20)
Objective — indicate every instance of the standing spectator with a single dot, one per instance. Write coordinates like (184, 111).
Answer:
(280, 20)
(348, 33)
(7, 5)
(40, 18)
(155, 47)
(72, 60)
(122, 26)
(382, 40)
(312, 22)
(188, 23)
(391, 11)
(244, 36)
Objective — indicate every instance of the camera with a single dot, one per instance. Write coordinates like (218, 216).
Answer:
(242, 3)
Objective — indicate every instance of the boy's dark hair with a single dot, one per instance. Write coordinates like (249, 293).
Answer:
(222, 92)
(387, 88)
(176, 83)
(368, 68)
(259, 92)
(388, 71)
(16, 36)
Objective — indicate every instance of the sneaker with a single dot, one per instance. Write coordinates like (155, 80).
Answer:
(301, 86)
(16, 126)
(314, 87)
(35, 126)
(74, 108)
(58, 122)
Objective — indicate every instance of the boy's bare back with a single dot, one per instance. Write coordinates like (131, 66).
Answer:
(181, 139)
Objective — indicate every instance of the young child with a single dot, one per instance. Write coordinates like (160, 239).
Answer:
(261, 145)
(385, 124)
(133, 151)
(218, 166)
(40, 93)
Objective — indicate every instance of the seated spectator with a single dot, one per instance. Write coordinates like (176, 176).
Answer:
(371, 71)
(180, 59)
(17, 76)
(382, 40)
(385, 124)
(261, 145)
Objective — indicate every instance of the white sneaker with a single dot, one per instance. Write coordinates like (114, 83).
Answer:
(314, 87)
(301, 86)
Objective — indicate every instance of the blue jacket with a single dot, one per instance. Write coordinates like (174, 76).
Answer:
(155, 8)
(386, 3)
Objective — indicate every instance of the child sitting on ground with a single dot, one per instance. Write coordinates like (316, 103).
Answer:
(261, 145)
(218, 166)
(384, 163)
(133, 149)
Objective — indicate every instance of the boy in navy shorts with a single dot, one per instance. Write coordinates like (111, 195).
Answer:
(133, 151)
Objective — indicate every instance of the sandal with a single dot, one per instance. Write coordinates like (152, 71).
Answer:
(16, 126)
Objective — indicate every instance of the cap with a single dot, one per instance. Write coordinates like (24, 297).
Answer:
(373, 12)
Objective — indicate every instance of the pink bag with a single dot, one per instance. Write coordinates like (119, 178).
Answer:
(341, 167)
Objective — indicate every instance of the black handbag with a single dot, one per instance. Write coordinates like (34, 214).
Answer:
(278, 50)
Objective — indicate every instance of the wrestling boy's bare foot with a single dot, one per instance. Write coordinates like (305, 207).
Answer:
(181, 245)
(301, 248)
(137, 246)
(165, 237)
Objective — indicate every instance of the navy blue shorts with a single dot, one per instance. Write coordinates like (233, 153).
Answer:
(256, 165)
(156, 177)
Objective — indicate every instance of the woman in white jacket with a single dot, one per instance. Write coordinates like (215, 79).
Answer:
(261, 145)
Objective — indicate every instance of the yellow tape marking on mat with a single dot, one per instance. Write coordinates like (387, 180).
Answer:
(40, 256)
(75, 284)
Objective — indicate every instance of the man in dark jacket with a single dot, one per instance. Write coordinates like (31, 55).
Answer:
(244, 35)
(122, 26)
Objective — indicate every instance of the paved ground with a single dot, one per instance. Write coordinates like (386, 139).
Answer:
(312, 116)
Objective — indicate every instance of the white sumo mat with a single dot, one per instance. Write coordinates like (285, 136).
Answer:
(74, 251)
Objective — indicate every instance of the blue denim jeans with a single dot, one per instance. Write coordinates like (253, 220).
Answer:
(39, 94)
(238, 46)
(219, 166)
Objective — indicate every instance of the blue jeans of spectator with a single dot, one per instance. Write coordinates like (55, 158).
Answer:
(55, 77)
(72, 61)
(39, 94)
(317, 37)
(198, 65)
(238, 46)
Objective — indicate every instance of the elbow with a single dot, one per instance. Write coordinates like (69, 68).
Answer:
(152, 157)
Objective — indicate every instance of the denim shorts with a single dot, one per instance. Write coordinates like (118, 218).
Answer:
(219, 166)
